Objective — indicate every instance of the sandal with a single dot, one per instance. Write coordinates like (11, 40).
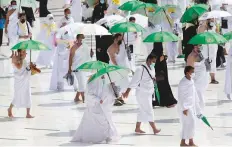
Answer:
(117, 103)
(214, 82)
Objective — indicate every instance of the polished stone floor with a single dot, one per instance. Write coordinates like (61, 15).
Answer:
(57, 117)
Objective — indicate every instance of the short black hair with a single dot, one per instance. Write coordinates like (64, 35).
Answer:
(22, 14)
(116, 36)
(188, 69)
(132, 18)
(67, 9)
(78, 36)
(151, 56)
(13, 1)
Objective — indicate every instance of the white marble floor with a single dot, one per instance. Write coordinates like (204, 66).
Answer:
(57, 117)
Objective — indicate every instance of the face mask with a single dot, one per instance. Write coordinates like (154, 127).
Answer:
(211, 24)
(69, 16)
(14, 6)
(119, 42)
(102, 1)
(152, 65)
(23, 21)
(192, 75)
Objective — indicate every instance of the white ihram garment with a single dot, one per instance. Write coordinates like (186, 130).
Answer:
(76, 10)
(60, 66)
(11, 28)
(201, 81)
(122, 60)
(22, 89)
(81, 56)
(144, 90)
(47, 37)
(188, 100)
(228, 77)
(96, 125)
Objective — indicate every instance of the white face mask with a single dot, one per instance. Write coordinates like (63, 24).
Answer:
(212, 24)
(192, 75)
(14, 6)
(69, 16)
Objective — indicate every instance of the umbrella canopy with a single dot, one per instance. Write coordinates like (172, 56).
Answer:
(126, 27)
(92, 66)
(207, 38)
(162, 14)
(111, 74)
(74, 29)
(111, 20)
(161, 37)
(93, 29)
(140, 19)
(228, 36)
(30, 45)
(204, 119)
(214, 14)
(193, 13)
(130, 5)
(145, 9)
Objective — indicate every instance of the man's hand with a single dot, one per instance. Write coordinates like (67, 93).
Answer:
(126, 94)
(101, 101)
(6, 31)
(185, 112)
(91, 53)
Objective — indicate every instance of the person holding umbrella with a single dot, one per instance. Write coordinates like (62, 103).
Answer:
(188, 106)
(143, 82)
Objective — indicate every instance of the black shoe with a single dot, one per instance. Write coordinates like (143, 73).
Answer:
(117, 103)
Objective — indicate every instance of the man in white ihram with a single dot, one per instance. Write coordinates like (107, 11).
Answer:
(79, 54)
(60, 66)
(188, 106)
(96, 125)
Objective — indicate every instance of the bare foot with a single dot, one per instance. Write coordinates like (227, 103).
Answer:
(29, 116)
(183, 144)
(10, 113)
(156, 131)
(192, 144)
(139, 131)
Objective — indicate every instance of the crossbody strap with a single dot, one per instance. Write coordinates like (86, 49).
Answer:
(148, 71)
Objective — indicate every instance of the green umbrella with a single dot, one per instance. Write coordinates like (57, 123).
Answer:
(130, 5)
(92, 66)
(126, 27)
(228, 36)
(204, 119)
(144, 8)
(193, 13)
(161, 37)
(207, 38)
(30, 45)
(157, 93)
(111, 73)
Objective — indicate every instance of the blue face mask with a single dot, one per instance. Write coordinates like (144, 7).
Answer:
(152, 65)
(102, 1)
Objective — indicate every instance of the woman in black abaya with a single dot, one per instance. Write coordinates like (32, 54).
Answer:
(166, 97)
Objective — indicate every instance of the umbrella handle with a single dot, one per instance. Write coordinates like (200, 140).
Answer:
(115, 94)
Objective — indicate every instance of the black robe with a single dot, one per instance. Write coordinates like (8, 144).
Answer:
(103, 42)
(166, 97)
(187, 35)
(98, 12)
(43, 9)
(220, 56)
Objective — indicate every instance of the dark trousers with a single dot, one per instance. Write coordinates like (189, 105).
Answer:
(1, 36)
(30, 14)
(220, 56)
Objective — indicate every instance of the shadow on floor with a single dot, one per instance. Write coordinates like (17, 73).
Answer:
(6, 77)
(218, 103)
(175, 85)
(62, 134)
(50, 92)
(75, 144)
(57, 104)
(11, 139)
(126, 111)
(7, 119)
(38, 129)
(134, 135)
(175, 120)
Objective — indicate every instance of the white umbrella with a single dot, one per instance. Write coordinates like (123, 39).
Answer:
(229, 2)
(214, 14)
(110, 20)
(140, 19)
(73, 29)
(93, 29)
